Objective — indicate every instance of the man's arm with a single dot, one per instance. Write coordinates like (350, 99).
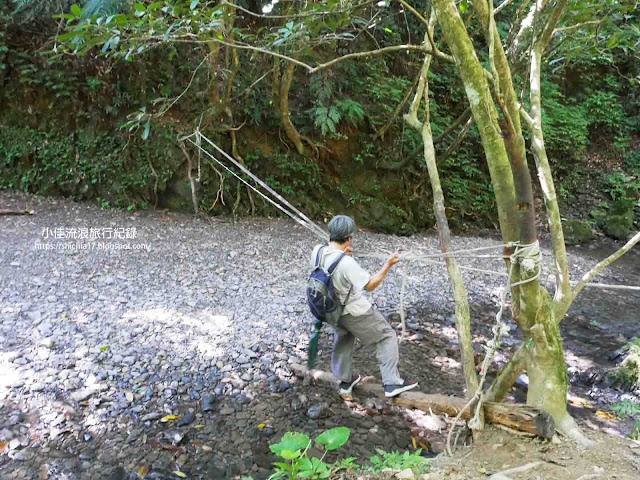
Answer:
(376, 278)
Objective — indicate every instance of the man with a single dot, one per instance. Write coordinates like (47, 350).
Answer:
(359, 318)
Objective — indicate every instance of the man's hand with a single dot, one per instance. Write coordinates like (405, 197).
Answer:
(393, 259)
(376, 279)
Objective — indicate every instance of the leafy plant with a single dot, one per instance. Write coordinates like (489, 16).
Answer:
(620, 186)
(351, 110)
(626, 408)
(327, 119)
(399, 461)
(293, 449)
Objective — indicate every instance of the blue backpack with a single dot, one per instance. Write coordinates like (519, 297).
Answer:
(321, 296)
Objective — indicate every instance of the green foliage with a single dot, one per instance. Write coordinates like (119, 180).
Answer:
(626, 408)
(467, 188)
(620, 186)
(351, 110)
(629, 409)
(632, 162)
(68, 165)
(627, 374)
(293, 449)
(399, 461)
(564, 124)
(327, 119)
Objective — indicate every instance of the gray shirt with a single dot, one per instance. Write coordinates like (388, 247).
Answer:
(349, 279)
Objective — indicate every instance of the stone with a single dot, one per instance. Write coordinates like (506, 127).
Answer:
(577, 231)
(186, 419)
(619, 226)
(82, 395)
(318, 410)
(406, 474)
(151, 416)
(207, 402)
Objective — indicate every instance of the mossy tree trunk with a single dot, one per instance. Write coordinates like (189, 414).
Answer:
(502, 139)
(462, 312)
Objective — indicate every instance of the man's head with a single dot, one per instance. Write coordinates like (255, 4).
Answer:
(341, 229)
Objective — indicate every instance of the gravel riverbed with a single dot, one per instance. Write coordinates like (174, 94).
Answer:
(98, 344)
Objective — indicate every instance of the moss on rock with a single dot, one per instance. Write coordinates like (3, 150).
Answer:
(577, 231)
(619, 226)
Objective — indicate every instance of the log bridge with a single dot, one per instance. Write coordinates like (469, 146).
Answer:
(522, 418)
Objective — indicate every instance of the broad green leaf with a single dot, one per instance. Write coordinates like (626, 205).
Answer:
(288, 454)
(76, 10)
(140, 7)
(291, 441)
(334, 438)
(194, 4)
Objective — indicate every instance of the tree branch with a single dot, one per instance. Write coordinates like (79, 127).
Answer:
(436, 51)
(501, 7)
(193, 76)
(380, 133)
(577, 26)
(370, 53)
(586, 278)
(300, 15)
(192, 39)
(507, 376)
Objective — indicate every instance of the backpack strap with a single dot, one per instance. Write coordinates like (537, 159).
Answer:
(319, 256)
(334, 265)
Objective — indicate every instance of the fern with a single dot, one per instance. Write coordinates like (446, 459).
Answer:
(321, 87)
(327, 119)
(104, 6)
(351, 110)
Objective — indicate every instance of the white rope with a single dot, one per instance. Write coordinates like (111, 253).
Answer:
(319, 231)
(530, 254)
(402, 313)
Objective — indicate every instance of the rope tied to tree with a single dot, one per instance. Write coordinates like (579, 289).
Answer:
(529, 258)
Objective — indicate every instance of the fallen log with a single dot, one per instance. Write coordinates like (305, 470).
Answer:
(514, 416)
(17, 212)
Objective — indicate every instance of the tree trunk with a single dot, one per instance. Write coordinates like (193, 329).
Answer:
(562, 296)
(484, 114)
(462, 313)
(291, 131)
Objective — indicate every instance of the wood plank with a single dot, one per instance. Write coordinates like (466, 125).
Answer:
(515, 416)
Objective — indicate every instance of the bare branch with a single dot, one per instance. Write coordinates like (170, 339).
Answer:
(461, 134)
(370, 53)
(175, 100)
(380, 133)
(549, 28)
(500, 7)
(436, 51)
(577, 26)
(192, 39)
(527, 118)
(299, 15)
(246, 90)
(586, 278)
